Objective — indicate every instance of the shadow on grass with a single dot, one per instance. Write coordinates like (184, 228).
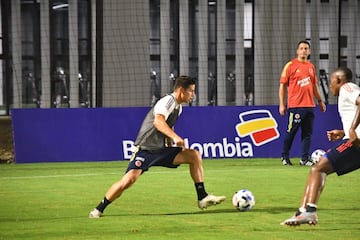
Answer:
(209, 211)
(283, 210)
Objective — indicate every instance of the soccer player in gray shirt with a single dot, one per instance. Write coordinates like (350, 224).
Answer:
(157, 144)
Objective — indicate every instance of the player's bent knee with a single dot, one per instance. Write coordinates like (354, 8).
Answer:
(195, 155)
(198, 155)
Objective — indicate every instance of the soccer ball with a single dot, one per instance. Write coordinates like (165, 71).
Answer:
(315, 156)
(243, 200)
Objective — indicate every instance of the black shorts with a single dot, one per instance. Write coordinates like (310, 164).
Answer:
(344, 157)
(144, 159)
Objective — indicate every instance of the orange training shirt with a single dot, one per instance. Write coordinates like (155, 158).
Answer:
(300, 77)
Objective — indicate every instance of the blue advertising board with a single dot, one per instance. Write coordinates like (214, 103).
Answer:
(107, 134)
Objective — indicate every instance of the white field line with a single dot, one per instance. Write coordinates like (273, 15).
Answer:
(119, 173)
(57, 176)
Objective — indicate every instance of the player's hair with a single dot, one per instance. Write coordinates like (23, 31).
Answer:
(303, 41)
(184, 82)
(347, 72)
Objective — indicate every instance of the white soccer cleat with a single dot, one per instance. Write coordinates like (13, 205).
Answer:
(95, 213)
(310, 218)
(210, 200)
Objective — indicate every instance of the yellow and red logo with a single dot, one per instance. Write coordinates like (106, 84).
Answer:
(259, 124)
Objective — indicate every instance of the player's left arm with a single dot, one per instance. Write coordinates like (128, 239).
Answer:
(352, 133)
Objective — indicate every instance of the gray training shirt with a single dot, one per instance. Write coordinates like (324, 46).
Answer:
(149, 138)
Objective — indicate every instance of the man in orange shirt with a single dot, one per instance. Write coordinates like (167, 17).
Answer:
(299, 79)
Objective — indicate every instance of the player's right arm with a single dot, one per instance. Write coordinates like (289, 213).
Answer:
(282, 106)
(282, 88)
(161, 125)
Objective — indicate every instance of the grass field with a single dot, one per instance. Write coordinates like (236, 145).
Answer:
(53, 200)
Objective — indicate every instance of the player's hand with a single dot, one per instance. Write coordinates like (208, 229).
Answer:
(335, 135)
(322, 106)
(354, 138)
(178, 141)
(282, 110)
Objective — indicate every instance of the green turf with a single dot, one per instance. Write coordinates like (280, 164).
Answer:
(53, 200)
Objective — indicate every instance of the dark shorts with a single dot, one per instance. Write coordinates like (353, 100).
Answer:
(344, 157)
(144, 159)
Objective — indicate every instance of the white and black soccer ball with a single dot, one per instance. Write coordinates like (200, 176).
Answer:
(243, 200)
(315, 155)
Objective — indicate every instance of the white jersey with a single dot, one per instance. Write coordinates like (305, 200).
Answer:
(347, 106)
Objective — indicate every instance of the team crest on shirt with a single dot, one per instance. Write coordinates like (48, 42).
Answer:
(311, 71)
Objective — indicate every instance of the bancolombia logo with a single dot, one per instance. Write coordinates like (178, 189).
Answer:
(208, 150)
(258, 124)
